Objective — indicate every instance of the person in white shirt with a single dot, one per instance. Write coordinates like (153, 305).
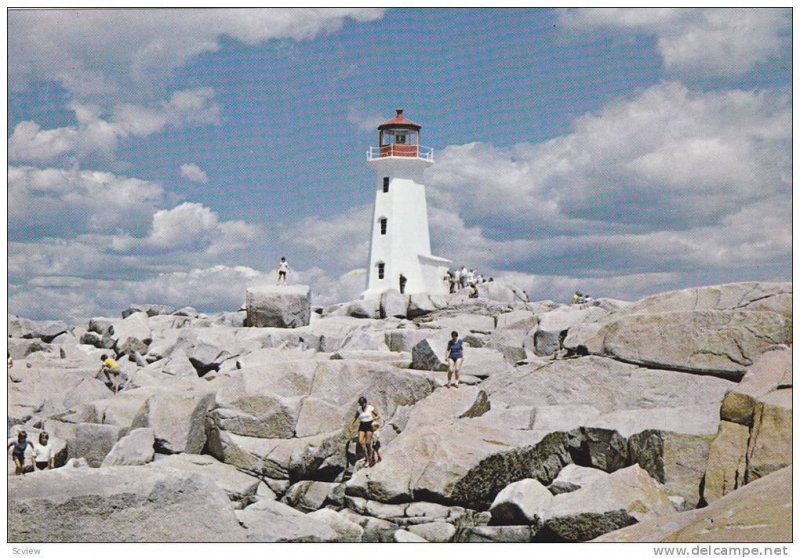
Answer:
(365, 415)
(43, 453)
(283, 269)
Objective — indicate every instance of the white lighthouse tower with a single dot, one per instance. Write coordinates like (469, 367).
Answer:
(400, 246)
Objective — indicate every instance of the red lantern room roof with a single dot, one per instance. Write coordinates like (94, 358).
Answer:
(399, 121)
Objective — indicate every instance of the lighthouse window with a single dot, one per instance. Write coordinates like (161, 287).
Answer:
(380, 270)
(385, 184)
(383, 225)
(400, 138)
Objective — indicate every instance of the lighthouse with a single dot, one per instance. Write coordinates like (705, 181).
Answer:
(400, 246)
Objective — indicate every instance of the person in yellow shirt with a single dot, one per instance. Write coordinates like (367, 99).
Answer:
(111, 367)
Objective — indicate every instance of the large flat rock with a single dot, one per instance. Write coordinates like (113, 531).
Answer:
(119, 504)
(758, 512)
(714, 342)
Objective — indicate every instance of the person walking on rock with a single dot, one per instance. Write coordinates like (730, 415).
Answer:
(283, 269)
(454, 357)
(18, 449)
(43, 457)
(111, 367)
(365, 415)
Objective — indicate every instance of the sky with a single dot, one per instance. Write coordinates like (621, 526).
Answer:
(173, 156)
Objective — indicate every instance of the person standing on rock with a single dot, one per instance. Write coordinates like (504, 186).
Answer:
(283, 269)
(376, 441)
(454, 357)
(111, 367)
(20, 447)
(43, 457)
(365, 415)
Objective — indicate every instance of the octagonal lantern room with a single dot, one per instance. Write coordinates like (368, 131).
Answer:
(399, 137)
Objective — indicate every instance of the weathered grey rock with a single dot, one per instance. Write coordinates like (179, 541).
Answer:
(584, 339)
(499, 534)
(240, 487)
(89, 441)
(603, 384)
(758, 512)
(521, 503)
(546, 343)
(423, 357)
(150, 309)
(47, 331)
(580, 476)
(497, 292)
(483, 363)
(92, 338)
(135, 448)
(270, 521)
(727, 461)
(775, 297)
(420, 304)
(21, 348)
(720, 343)
(403, 536)
(770, 444)
(765, 375)
(346, 530)
(457, 462)
(133, 333)
(146, 504)
(375, 530)
(404, 340)
(366, 308)
(516, 319)
(278, 306)
(187, 311)
(309, 495)
(101, 325)
(177, 420)
(618, 500)
(437, 532)
(47, 391)
(18, 326)
(393, 304)
(676, 460)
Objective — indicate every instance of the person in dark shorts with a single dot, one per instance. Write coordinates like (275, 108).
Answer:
(283, 269)
(365, 415)
(20, 446)
(454, 357)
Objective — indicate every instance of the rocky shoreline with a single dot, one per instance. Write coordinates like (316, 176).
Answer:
(611, 421)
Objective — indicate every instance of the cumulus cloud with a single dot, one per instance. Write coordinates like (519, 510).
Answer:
(94, 52)
(664, 158)
(69, 202)
(340, 241)
(96, 133)
(192, 172)
(715, 41)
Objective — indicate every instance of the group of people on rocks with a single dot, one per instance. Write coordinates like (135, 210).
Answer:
(368, 418)
(463, 278)
(41, 453)
(580, 298)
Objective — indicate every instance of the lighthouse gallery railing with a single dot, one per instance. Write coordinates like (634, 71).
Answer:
(400, 150)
